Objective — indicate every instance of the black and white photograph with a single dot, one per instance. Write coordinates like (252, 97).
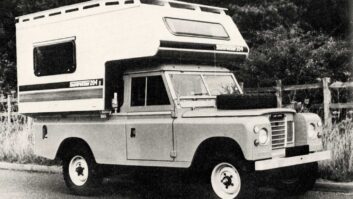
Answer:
(169, 99)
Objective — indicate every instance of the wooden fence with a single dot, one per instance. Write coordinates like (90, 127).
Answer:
(325, 85)
(8, 106)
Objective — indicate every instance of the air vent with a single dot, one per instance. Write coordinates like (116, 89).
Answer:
(112, 3)
(71, 10)
(54, 14)
(38, 17)
(153, 2)
(91, 6)
(211, 10)
(129, 2)
(181, 6)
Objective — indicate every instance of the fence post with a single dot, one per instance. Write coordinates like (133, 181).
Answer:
(9, 107)
(241, 84)
(279, 93)
(327, 100)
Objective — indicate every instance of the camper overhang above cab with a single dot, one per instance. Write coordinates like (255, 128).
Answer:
(62, 53)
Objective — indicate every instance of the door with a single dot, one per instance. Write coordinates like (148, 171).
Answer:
(149, 137)
(149, 123)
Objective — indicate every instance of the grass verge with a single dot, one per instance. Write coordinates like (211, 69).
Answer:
(17, 142)
(338, 138)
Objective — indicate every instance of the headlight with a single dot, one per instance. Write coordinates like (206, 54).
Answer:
(263, 136)
(311, 131)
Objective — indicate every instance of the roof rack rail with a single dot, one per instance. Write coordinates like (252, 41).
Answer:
(185, 5)
(90, 5)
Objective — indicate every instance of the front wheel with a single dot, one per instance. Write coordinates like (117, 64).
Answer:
(231, 178)
(81, 173)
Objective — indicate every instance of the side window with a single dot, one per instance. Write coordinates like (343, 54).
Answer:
(152, 93)
(138, 87)
(156, 92)
(55, 59)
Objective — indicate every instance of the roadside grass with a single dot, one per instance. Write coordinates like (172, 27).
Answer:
(17, 142)
(338, 138)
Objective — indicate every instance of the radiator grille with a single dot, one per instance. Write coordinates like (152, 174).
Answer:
(279, 131)
(290, 132)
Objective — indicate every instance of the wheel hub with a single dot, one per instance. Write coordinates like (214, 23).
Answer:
(227, 180)
(78, 170)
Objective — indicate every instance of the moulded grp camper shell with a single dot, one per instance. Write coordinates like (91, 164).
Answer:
(62, 53)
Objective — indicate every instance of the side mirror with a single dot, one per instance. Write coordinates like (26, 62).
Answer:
(115, 102)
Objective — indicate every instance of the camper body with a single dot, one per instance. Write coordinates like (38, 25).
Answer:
(129, 84)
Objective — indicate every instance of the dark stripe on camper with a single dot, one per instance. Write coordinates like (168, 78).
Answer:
(62, 95)
(59, 85)
(197, 46)
(186, 45)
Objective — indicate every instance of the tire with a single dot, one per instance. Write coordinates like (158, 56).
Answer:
(229, 178)
(297, 180)
(81, 173)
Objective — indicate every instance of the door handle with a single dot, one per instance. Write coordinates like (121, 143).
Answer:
(133, 133)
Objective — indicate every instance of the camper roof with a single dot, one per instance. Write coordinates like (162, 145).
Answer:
(109, 5)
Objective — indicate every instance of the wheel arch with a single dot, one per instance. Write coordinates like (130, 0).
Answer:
(72, 143)
(214, 146)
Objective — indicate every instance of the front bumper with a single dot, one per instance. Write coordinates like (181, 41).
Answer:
(290, 161)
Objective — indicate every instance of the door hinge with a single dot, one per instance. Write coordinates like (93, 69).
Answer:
(173, 154)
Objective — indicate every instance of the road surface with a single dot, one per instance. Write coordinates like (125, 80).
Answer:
(17, 184)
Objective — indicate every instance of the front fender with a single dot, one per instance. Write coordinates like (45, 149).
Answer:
(302, 122)
(191, 132)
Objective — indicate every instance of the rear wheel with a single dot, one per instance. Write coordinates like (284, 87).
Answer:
(298, 180)
(81, 173)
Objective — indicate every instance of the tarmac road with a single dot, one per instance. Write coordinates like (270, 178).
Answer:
(18, 184)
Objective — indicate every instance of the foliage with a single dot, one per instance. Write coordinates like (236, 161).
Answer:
(339, 139)
(288, 42)
(17, 141)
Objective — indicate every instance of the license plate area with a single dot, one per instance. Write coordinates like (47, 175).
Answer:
(297, 150)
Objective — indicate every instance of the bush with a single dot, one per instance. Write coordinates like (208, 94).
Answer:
(339, 139)
(17, 142)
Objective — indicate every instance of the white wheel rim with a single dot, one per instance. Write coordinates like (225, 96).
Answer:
(78, 170)
(225, 181)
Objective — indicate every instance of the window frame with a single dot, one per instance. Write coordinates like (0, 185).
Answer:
(146, 107)
(202, 74)
(71, 40)
(195, 35)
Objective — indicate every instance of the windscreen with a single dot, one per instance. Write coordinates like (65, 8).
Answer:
(184, 27)
(193, 85)
(221, 84)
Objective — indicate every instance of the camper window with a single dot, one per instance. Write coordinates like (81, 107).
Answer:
(183, 27)
(55, 59)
